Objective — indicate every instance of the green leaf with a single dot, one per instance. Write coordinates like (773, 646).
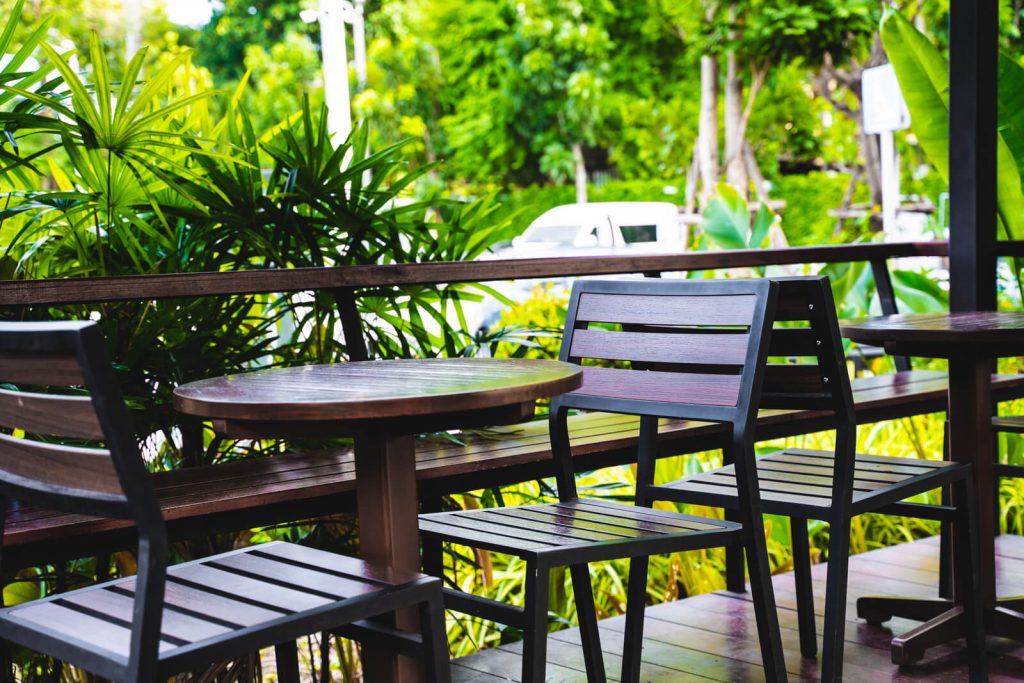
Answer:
(923, 73)
(726, 220)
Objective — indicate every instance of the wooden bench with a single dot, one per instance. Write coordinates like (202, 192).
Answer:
(243, 494)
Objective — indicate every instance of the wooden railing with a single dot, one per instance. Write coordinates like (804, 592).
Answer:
(146, 287)
(344, 282)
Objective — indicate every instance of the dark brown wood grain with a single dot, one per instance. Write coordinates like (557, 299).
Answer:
(941, 333)
(711, 635)
(85, 469)
(70, 416)
(660, 347)
(696, 388)
(792, 342)
(144, 287)
(376, 389)
(42, 370)
(789, 378)
(666, 310)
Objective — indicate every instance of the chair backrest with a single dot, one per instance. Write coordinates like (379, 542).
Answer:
(807, 370)
(66, 442)
(691, 349)
(806, 367)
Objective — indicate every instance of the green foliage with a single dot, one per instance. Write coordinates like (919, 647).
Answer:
(221, 44)
(923, 73)
(805, 30)
(145, 179)
(281, 76)
(808, 197)
(728, 224)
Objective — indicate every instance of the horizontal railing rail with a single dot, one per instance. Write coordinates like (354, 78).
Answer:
(280, 280)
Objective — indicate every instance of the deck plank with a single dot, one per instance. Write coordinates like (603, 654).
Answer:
(714, 637)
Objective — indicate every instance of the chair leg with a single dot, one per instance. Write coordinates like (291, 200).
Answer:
(433, 555)
(946, 559)
(535, 641)
(586, 614)
(636, 601)
(435, 640)
(804, 588)
(834, 635)
(735, 570)
(764, 600)
(945, 532)
(7, 665)
(286, 656)
(966, 575)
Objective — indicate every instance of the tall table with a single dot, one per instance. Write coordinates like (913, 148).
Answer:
(382, 404)
(970, 341)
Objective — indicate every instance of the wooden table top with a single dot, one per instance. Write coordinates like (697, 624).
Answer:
(931, 332)
(376, 389)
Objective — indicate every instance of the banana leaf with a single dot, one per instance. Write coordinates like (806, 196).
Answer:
(923, 74)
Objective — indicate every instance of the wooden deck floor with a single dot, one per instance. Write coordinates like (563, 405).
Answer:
(714, 637)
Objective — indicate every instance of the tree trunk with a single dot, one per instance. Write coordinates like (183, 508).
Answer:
(754, 171)
(581, 173)
(735, 169)
(872, 170)
(692, 173)
(707, 136)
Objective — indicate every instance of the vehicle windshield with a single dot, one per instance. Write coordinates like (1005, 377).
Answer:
(559, 234)
(639, 233)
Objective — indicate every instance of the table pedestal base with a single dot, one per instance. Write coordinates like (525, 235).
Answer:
(388, 534)
(943, 621)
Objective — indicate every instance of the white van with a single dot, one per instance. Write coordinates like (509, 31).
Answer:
(598, 229)
(601, 228)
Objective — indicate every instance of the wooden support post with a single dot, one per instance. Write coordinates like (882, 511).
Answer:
(973, 63)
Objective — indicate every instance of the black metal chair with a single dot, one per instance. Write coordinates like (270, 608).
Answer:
(697, 352)
(164, 620)
(834, 487)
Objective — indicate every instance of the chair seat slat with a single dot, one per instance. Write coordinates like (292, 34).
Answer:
(277, 572)
(174, 624)
(575, 525)
(253, 590)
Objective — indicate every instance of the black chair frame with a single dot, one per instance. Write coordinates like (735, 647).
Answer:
(113, 482)
(740, 415)
(825, 385)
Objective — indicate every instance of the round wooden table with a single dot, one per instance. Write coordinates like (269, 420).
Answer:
(970, 341)
(382, 404)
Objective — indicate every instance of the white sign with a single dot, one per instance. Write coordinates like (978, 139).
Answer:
(882, 101)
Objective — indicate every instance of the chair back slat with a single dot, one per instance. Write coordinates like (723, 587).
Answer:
(736, 309)
(794, 378)
(66, 438)
(688, 345)
(55, 467)
(41, 369)
(687, 348)
(68, 444)
(52, 415)
(794, 342)
(666, 387)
